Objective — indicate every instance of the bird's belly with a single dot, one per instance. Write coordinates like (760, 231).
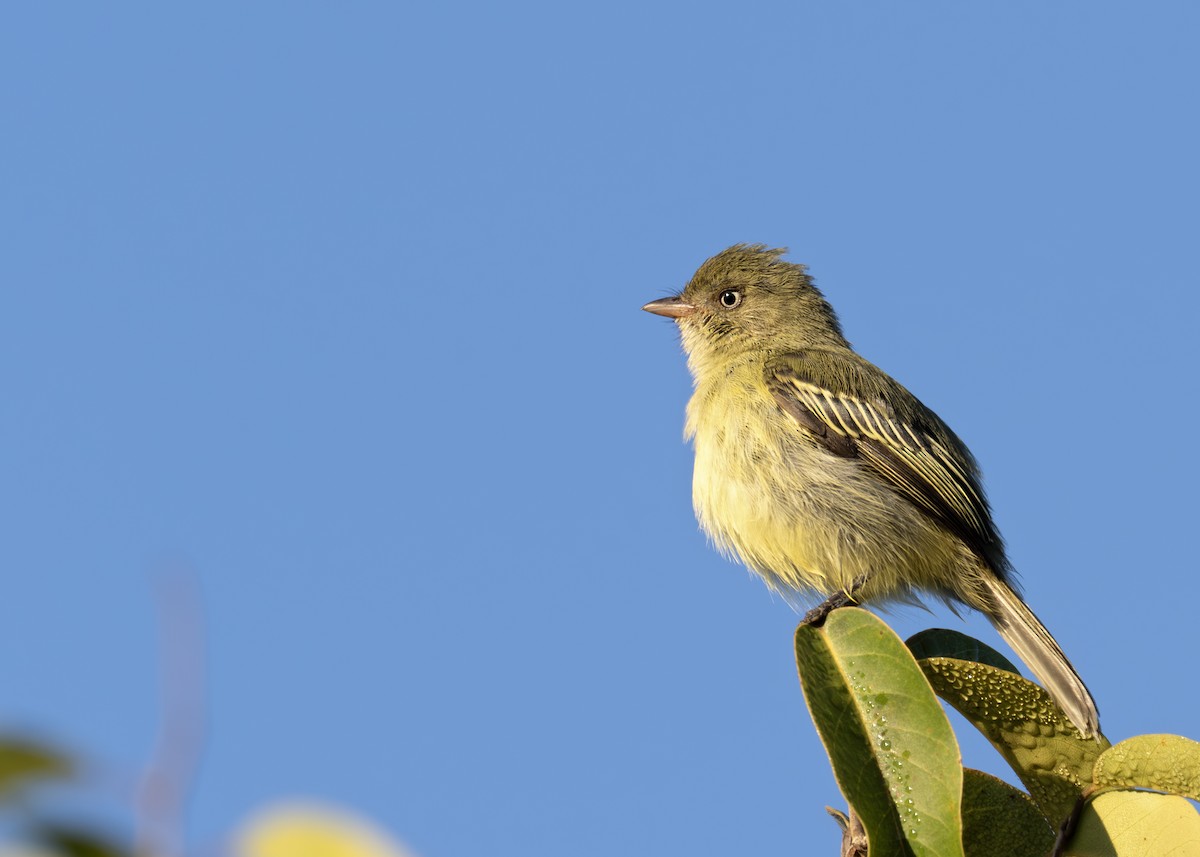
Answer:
(808, 520)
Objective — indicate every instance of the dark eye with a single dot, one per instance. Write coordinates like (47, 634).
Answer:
(730, 298)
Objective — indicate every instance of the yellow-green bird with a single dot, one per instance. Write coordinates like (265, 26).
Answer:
(824, 475)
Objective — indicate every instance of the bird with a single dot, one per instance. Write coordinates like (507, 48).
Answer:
(826, 476)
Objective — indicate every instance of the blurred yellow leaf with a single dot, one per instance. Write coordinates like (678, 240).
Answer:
(314, 830)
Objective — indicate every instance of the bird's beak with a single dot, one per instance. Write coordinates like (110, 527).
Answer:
(675, 307)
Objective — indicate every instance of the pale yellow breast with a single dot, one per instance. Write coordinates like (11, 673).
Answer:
(801, 517)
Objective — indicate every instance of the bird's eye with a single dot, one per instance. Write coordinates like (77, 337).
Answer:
(730, 298)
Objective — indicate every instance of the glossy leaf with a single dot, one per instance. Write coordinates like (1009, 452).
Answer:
(1000, 820)
(1165, 763)
(1045, 749)
(890, 744)
(1136, 824)
(944, 643)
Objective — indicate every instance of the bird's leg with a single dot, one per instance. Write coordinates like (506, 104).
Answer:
(843, 598)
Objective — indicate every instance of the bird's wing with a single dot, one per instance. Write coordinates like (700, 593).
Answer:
(886, 428)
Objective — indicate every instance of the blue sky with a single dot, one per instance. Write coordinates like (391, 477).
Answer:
(338, 308)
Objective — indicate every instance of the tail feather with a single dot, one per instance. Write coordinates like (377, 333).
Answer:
(1033, 644)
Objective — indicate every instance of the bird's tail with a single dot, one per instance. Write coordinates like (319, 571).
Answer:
(1034, 645)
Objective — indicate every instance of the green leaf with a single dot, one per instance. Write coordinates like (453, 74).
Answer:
(1165, 763)
(1052, 759)
(890, 744)
(944, 643)
(23, 762)
(1001, 821)
(1136, 824)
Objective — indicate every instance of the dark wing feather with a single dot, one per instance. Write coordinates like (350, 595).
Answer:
(887, 429)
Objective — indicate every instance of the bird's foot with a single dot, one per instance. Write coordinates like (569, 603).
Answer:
(845, 598)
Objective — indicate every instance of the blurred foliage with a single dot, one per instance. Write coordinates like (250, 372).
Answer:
(297, 829)
(300, 830)
(874, 701)
(77, 842)
(24, 763)
(26, 766)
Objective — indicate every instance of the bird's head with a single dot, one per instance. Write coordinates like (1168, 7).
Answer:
(747, 299)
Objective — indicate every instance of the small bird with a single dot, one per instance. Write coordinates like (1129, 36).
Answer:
(826, 476)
